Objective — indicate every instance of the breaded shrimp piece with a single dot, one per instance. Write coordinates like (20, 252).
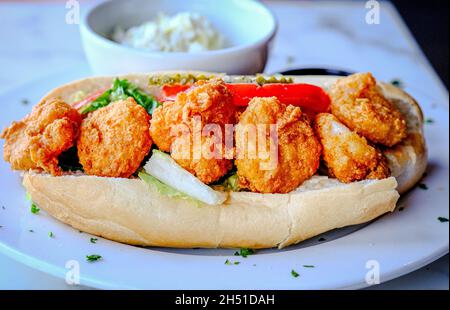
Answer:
(115, 139)
(164, 118)
(211, 100)
(358, 103)
(36, 141)
(208, 102)
(348, 156)
(284, 168)
(206, 160)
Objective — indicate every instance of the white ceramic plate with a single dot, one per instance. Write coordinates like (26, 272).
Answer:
(398, 243)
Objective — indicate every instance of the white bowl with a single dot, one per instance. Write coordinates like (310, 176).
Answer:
(247, 25)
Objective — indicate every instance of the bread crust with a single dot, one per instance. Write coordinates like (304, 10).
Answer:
(134, 212)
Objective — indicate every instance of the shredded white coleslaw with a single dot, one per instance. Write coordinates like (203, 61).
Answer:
(183, 32)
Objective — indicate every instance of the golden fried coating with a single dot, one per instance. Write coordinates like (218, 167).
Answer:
(357, 102)
(164, 118)
(283, 169)
(348, 156)
(211, 100)
(200, 158)
(115, 139)
(36, 141)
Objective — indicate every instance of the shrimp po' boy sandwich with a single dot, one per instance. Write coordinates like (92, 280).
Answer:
(209, 160)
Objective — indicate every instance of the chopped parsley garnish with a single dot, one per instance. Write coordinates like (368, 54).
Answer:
(322, 239)
(423, 186)
(429, 121)
(34, 209)
(51, 235)
(93, 240)
(294, 273)
(397, 83)
(309, 266)
(442, 219)
(24, 101)
(244, 252)
(93, 257)
(228, 262)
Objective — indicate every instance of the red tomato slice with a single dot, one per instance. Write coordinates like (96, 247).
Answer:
(170, 91)
(307, 96)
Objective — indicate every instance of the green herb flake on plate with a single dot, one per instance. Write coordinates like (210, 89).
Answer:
(93, 258)
(34, 209)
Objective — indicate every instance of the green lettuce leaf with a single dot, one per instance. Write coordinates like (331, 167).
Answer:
(162, 188)
(123, 89)
(231, 183)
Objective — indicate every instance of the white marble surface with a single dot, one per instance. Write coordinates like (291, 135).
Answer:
(35, 41)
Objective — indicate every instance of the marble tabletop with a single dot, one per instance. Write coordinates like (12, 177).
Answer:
(35, 42)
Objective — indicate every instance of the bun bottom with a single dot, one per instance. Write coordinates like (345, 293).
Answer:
(134, 212)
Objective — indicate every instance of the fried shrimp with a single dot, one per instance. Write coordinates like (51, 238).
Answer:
(206, 159)
(164, 118)
(358, 103)
(36, 141)
(115, 139)
(210, 100)
(348, 156)
(295, 158)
